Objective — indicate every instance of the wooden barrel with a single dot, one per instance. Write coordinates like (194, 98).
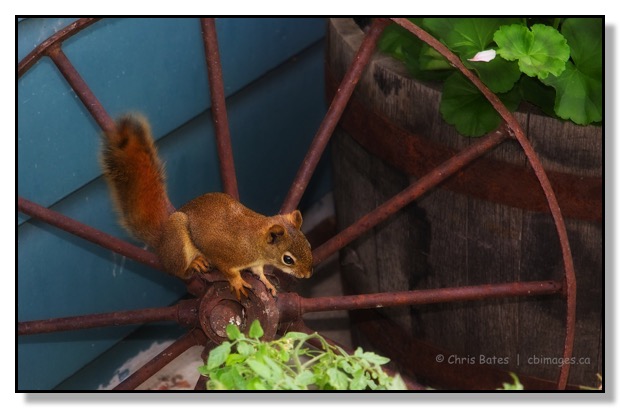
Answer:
(490, 223)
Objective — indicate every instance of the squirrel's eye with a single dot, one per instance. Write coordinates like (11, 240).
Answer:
(288, 260)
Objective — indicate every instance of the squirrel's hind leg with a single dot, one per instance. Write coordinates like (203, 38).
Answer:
(176, 250)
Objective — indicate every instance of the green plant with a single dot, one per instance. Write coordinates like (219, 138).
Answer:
(516, 386)
(247, 363)
(555, 64)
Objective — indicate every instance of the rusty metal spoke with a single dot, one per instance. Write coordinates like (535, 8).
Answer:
(430, 296)
(201, 383)
(193, 338)
(415, 190)
(88, 233)
(184, 312)
(292, 306)
(81, 88)
(218, 108)
(332, 116)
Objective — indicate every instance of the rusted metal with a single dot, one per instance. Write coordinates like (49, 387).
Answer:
(184, 312)
(35, 55)
(190, 339)
(218, 108)
(289, 305)
(570, 284)
(333, 115)
(580, 197)
(80, 87)
(201, 384)
(430, 296)
(415, 190)
(219, 307)
(86, 232)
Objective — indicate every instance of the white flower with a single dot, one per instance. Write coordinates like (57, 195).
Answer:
(483, 56)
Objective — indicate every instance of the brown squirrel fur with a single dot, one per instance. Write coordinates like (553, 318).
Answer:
(213, 230)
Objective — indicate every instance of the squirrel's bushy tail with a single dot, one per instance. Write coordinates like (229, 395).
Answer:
(135, 175)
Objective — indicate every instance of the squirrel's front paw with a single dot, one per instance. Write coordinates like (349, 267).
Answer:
(237, 286)
(269, 286)
(199, 265)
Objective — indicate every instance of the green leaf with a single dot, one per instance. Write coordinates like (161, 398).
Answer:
(226, 380)
(398, 42)
(540, 50)
(337, 379)
(256, 331)
(464, 106)
(218, 355)
(305, 378)
(262, 350)
(259, 368)
(432, 60)
(579, 89)
(256, 384)
(578, 97)
(294, 335)
(284, 355)
(375, 358)
(234, 358)
(203, 370)
(239, 382)
(344, 364)
(422, 61)
(585, 38)
(509, 387)
(276, 370)
(498, 74)
(466, 36)
(233, 332)
(359, 381)
(214, 385)
(245, 349)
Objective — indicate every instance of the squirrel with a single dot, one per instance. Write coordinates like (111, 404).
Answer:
(210, 231)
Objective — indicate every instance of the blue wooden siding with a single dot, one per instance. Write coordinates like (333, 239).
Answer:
(273, 74)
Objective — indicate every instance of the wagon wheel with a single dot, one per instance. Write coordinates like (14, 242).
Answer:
(212, 306)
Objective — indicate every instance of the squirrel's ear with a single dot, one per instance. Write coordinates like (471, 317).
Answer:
(274, 233)
(295, 218)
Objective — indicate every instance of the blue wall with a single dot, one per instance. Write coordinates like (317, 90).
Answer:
(273, 75)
